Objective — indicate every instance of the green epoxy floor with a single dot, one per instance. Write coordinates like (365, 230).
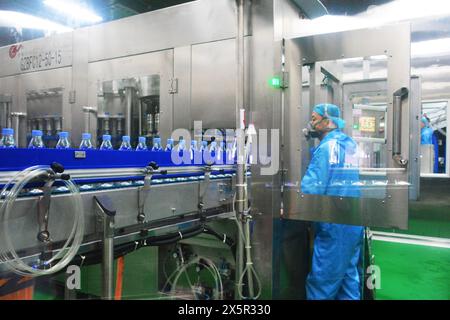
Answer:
(412, 272)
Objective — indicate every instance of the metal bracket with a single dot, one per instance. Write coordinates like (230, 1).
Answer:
(72, 96)
(284, 80)
(173, 85)
(144, 191)
(44, 211)
(202, 191)
(108, 212)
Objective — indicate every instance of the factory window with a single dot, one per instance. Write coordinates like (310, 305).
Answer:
(434, 152)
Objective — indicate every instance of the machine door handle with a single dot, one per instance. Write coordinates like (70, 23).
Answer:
(399, 95)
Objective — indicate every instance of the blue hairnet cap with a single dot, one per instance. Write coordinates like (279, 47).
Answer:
(332, 112)
(425, 121)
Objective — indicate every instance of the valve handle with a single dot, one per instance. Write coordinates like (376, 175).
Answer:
(65, 176)
(154, 165)
(57, 167)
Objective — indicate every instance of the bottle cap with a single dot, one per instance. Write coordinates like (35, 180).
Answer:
(7, 131)
(36, 133)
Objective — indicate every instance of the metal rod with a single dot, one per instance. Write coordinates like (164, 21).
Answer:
(399, 95)
(239, 129)
(8, 115)
(15, 116)
(86, 121)
(129, 97)
(108, 257)
(15, 124)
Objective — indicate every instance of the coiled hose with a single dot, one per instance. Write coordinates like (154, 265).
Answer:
(8, 253)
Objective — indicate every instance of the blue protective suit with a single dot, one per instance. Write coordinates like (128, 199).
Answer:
(333, 171)
(426, 135)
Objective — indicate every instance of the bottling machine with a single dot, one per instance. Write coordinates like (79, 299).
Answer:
(229, 64)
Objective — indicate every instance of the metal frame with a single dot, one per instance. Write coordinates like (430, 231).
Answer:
(393, 41)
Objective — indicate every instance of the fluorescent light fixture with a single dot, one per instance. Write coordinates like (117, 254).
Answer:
(431, 47)
(26, 21)
(74, 10)
(395, 11)
(401, 10)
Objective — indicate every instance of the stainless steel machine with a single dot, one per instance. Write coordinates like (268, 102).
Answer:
(211, 61)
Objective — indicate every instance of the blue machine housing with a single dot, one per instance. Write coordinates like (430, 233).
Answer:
(74, 159)
(20, 159)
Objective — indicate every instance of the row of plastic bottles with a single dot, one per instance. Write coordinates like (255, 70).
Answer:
(37, 142)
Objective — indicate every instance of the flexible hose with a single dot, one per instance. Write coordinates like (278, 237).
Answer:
(65, 254)
(249, 268)
(5, 192)
(210, 265)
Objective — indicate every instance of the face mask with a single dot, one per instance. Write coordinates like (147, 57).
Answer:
(310, 132)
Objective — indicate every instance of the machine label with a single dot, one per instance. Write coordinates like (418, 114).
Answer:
(36, 55)
(49, 59)
(80, 154)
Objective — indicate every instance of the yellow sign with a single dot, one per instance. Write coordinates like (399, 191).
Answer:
(367, 124)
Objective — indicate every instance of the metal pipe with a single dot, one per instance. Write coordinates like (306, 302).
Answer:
(8, 115)
(240, 114)
(15, 116)
(87, 118)
(108, 258)
(48, 126)
(240, 111)
(140, 117)
(129, 97)
(58, 124)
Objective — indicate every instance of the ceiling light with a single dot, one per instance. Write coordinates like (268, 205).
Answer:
(74, 10)
(26, 21)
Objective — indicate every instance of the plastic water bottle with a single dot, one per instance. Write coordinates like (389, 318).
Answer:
(86, 143)
(213, 149)
(7, 141)
(230, 153)
(125, 146)
(63, 142)
(36, 140)
(106, 144)
(157, 144)
(169, 145)
(193, 148)
(181, 145)
(142, 145)
(204, 146)
(220, 150)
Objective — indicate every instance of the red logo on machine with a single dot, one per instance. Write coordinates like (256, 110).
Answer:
(14, 50)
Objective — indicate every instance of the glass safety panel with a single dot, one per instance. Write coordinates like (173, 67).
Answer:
(354, 171)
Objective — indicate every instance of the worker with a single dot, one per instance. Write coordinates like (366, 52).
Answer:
(333, 171)
(426, 132)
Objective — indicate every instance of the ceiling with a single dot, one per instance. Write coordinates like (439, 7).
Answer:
(116, 9)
